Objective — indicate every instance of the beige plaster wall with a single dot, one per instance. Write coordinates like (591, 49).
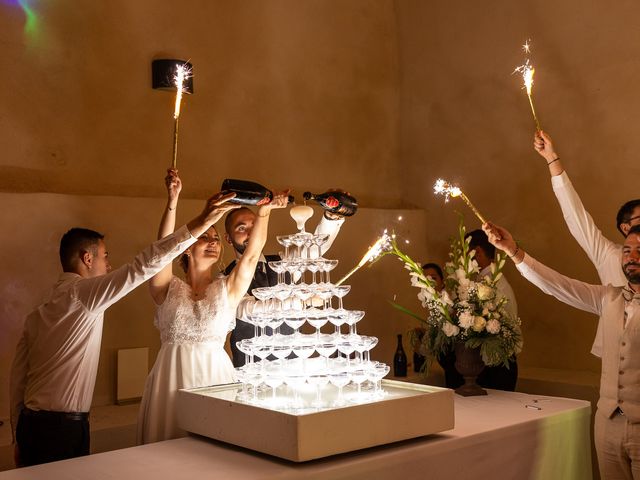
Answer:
(465, 118)
(278, 84)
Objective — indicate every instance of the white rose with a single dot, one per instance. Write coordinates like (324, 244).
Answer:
(479, 324)
(450, 330)
(485, 292)
(493, 326)
(466, 320)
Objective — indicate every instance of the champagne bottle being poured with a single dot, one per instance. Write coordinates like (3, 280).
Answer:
(334, 201)
(248, 193)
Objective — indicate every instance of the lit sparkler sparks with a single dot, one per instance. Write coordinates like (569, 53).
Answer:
(442, 187)
(383, 244)
(182, 73)
(527, 71)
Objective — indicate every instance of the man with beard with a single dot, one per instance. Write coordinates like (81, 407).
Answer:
(617, 422)
(238, 226)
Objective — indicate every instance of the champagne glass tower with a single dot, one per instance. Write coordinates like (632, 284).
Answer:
(307, 371)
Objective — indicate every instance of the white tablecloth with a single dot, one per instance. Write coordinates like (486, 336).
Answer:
(503, 436)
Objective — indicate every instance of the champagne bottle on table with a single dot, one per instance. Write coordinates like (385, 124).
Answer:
(400, 360)
(333, 201)
(248, 193)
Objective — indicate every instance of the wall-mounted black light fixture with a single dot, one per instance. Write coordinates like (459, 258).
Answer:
(163, 74)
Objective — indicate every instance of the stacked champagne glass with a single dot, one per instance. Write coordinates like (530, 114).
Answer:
(306, 371)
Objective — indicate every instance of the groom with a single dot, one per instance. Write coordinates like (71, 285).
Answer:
(54, 370)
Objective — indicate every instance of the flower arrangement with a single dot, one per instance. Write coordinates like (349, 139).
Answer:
(468, 310)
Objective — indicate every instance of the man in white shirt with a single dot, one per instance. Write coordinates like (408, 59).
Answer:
(617, 422)
(604, 253)
(54, 370)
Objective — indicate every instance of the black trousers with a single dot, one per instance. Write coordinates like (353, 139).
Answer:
(44, 436)
(497, 378)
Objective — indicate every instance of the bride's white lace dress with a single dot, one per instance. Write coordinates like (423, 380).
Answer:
(192, 354)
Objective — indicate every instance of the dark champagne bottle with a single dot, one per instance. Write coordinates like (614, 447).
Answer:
(335, 202)
(248, 193)
(400, 360)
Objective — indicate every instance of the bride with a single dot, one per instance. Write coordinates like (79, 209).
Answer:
(194, 317)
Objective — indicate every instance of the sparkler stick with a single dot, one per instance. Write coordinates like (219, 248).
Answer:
(442, 187)
(527, 72)
(181, 75)
(382, 245)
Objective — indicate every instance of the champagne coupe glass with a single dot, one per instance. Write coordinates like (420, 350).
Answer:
(282, 350)
(313, 266)
(285, 241)
(316, 318)
(340, 291)
(303, 350)
(273, 379)
(242, 378)
(325, 292)
(358, 345)
(346, 347)
(293, 267)
(308, 243)
(326, 347)
(352, 318)
(296, 382)
(369, 342)
(295, 319)
(253, 376)
(319, 240)
(320, 380)
(358, 376)
(329, 265)
(338, 318)
(377, 373)
(279, 267)
(245, 346)
(262, 351)
(301, 213)
(340, 380)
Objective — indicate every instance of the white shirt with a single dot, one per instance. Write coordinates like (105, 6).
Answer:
(605, 254)
(57, 356)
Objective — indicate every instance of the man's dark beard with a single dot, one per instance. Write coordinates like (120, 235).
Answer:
(633, 278)
(240, 247)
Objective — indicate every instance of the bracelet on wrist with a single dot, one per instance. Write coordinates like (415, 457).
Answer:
(515, 253)
(554, 160)
(170, 209)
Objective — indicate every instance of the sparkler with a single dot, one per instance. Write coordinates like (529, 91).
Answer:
(527, 71)
(182, 73)
(442, 187)
(382, 245)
